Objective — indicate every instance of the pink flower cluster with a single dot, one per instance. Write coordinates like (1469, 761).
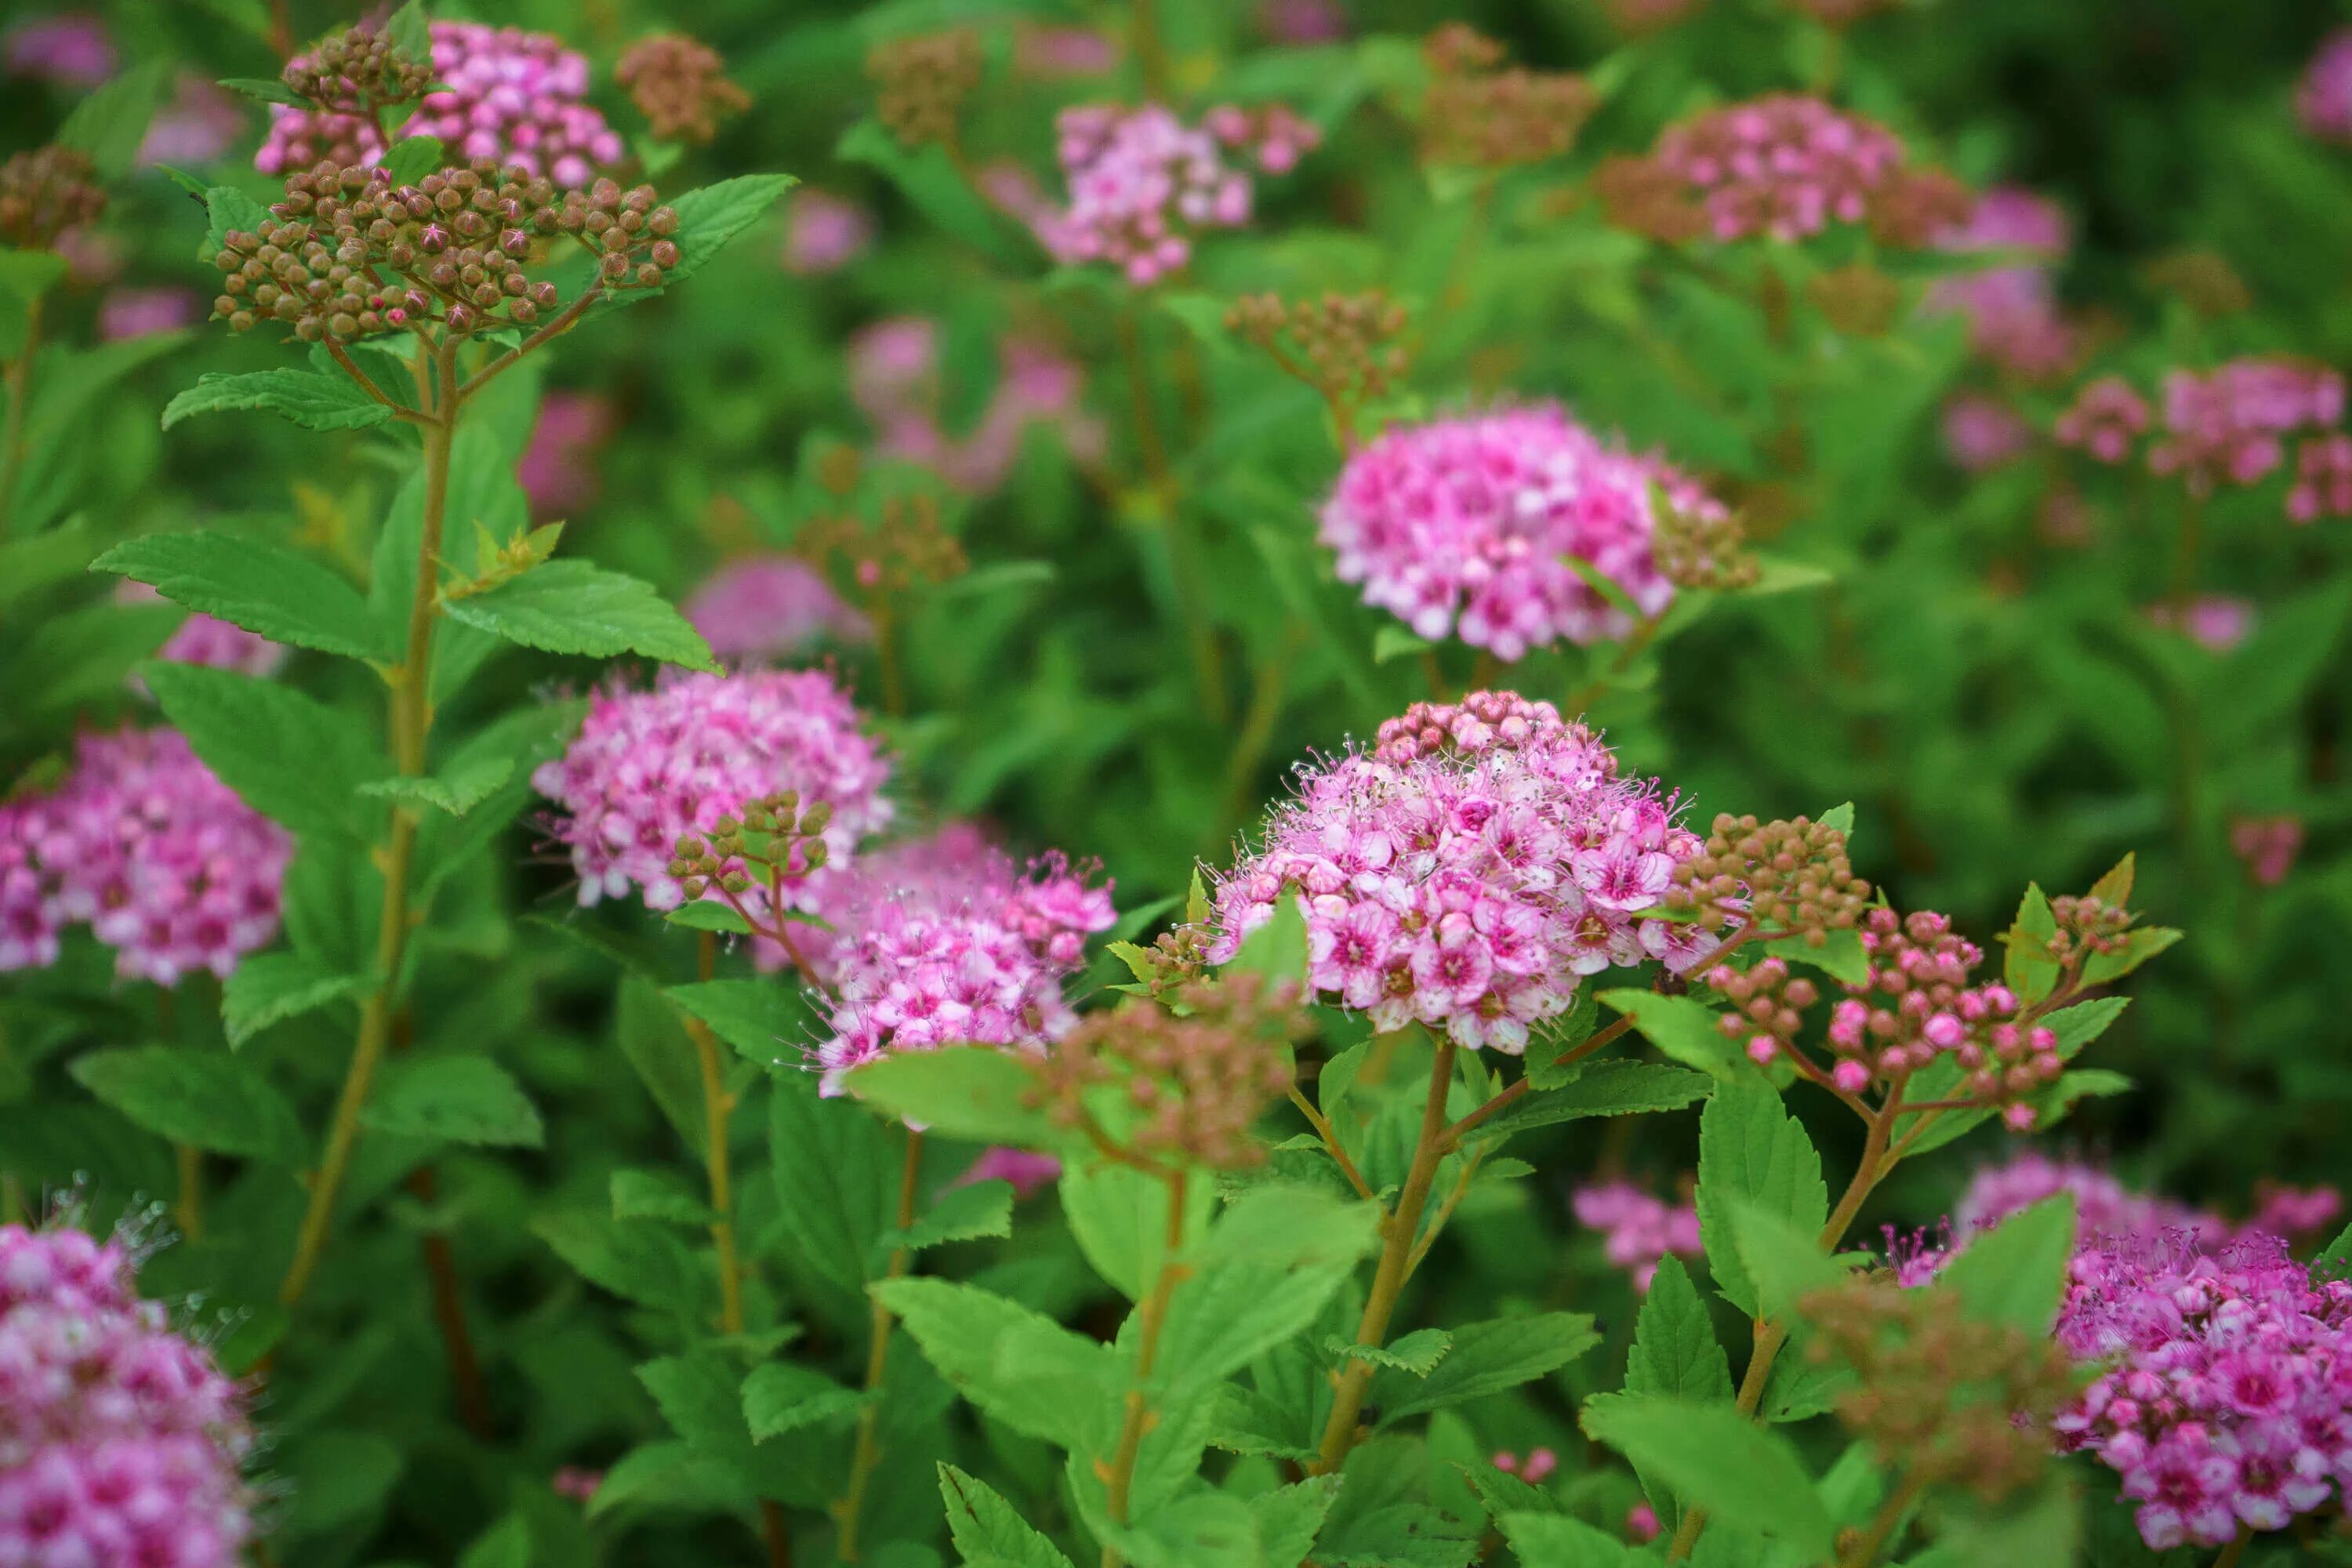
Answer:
(209, 640)
(1028, 1172)
(764, 608)
(1782, 165)
(2104, 1209)
(1642, 1229)
(2267, 846)
(71, 49)
(1917, 1005)
(1535, 1469)
(2322, 99)
(2106, 417)
(1143, 185)
(166, 864)
(127, 313)
(2011, 308)
(1467, 871)
(2228, 423)
(2322, 478)
(943, 941)
(894, 377)
(121, 1442)
(2215, 622)
(1466, 527)
(2225, 1401)
(823, 233)
(650, 766)
(1982, 433)
(558, 468)
(517, 97)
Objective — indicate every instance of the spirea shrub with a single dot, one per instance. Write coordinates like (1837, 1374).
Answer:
(1301, 785)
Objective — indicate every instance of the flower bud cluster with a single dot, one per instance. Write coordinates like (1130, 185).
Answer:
(458, 247)
(1343, 346)
(1767, 1008)
(922, 83)
(142, 843)
(1480, 114)
(121, 1441)
(1917, 1005)
(1466, 527)
(357, 71)
(775, 840)
(2322, 478)
(45, 193)
(2229, 423)
(1783, 166)
(1186, 1086)
(2267, 847)
(1469, 887)
(1642, 1229)
(1703, 547)
(1944, 1398)
(907, 544)
(2087, 924)
(679, 84)
(2106, 420)
(1791, 878)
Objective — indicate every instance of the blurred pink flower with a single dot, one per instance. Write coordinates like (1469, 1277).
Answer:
(143, 312)
(2213, 621)
(1642, 1523)
(196, 127)
(894, 377)
(1052, 53)
(1538, 1464)
(1303, 21)
(2322, 99)
(823, 233)
(70, 49)
(575, 1482)
(558, 469)
(2295, 1213)
(1981, 431)
(2268, 845)
(1029, 1172)
(767, 607)
(1642, 1229)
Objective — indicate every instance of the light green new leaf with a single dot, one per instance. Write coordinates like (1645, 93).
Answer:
(1681, 1028)
(768, 1021)
(268, 988)
(281, 593)
(2016, 1272)
(710, 216)
(1747, 1479)
(1025, 1370)
(1751, 1151)
(965, 1213)
(1784, 1262)
(455, 791)
(987, 1529)
(963, 1092)
(577, 608)
(1118, 1215)
(1602, 1089)
(1487, 1358)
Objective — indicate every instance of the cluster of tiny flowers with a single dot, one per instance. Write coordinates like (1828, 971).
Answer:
(1465, 528)
(1794, 876)
(2322, 99)
(121, 1442)
(764, 608)
(1535, 1469)
(823, 233)
(160, 858)
(1917, 1005)
(1344, 345)
(651, 767)
(503, 94)
(2225, 1401)
(2323, 479)
(2105, 419)
(1467, 871)
(71, 49)
(679, 84)
(2011, 308)
(945, 942)
(209, 640)
(1479, 113)
(2104, 1209)
(2229, 423)
(1784, 166)
(1982, 433)
(557, 468)
(1025, 1171)
(1641, 1228)
(1143, 185)
(2215, 622)
(44, 194)
(2267, 846)
(894, 378)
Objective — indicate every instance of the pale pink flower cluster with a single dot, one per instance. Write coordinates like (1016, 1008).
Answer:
(2227, 1401)
(159, 858)
(2215, 622)
(894, 377)
(1143, 185)
(195, 127)
(70, 49)
(1468, 527)
(558, 468)
(1641, 1227)
(2011, 308)
(2228, 424)
(765, 608)
(2322, 99)
(2105, 419)
(209, 640)
(2104, 1209)
(1468, 871)
(121, 1442)
(2268, 846)
(2322, 478)
(944, 941)
(1782, 165)
(127, 313)
(1981, 431)
(517, 97)
(648, 767)
(823, 233)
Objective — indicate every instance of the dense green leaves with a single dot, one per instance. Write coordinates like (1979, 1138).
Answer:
(1603, 1088)
(1752, 1155)
(288, 755)
(1487, 1358)
(965, 1091)
(264, 587)
(1747, 1479)
(1024, 1370)
(457, 1099)
(212, 1101)
(268, 988)
(836, 1179)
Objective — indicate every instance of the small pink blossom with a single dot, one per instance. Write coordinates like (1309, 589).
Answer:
(195, 127)
(1029, 1172)
(2322, 99)
(2216, 622)
(2267, 846)
(127, 313)
(766, 608)
(1642, 1229)
(1982, 433)
(823, 233)
(70, 49)
(1641, 1524)
(1533, 1469)
(558, 469)
(2105, 419)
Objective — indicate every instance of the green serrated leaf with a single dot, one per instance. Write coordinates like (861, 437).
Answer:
(987, 1529)
(268, 988)
(1751, 1151)
(657, 1194)
(303, 398)
(1748, 1480)
(964, 1091)
(1682, 1028)
(965, 1213)
(289, 756)
(784, 1396)
(199, 1098)
(1487, 1358)
(2016, 1272)
(454, 1099)
(264, 587)
(572, 606)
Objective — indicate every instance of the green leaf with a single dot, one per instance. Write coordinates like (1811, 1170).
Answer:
(2078, 1026)
(268, 988)
(784, 1396)
(927, 177)
(709, 914)
(410, 31)
(768, 1021)
(2335, 1261)
(1602, 1089)
(1392, 642)
(669, 1476)
(1288, 1517)
(1681, 1028)
(200, 1098)
(2029, 969)
(657, 1194)
(1747, 1479)
(836, 1179)
(1799, 1388)
(1839, 954)
(1278, 949)
(1751, 1151)
(1417, 1352)
(572, 606)
(710, 216)
(1487, 1358)
(1556, 1541)
(305, 397)
(1118, 1217)
(2138, 946)
(1785, 1262)
(1674, 1353)
(109, 122)
(454, 1099)
(412, 158)
(965, 1213)
(287, 755)
(24, 276)
(653, 1040)
(1269, 1266)
(1027, 1371)
(263, 89)
(228, 210)
(335, 1479)
(2016, 1272)
(963, 1092)
(264, 587)
(1780, 575)
(456, 790)
(987, 1529)
(506, 1544)
(1553, 1039)
(1840, 817)
(647, 1264)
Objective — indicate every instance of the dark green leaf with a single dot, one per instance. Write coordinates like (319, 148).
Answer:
(965, 1213)
(1751, 1151)
(455, 1099)
(1487, 1358)
(269, 987)
(768, 1021)
(784, 1396)
(314, 401)
(1026, 1371)
(199, 1098)
(264, 587)
(1682, 1028)
(836, 1179)
(572, 606)
(965, 1091)
(1602, 1089)
(288, 755)
(1747, 1479)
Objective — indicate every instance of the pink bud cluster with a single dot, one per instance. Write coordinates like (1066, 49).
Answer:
(2322, 99)
(1641, 1227)
(2227, 1401)
(945, 942)
(2011, 308)
(1468, 871)
(1535, 1469)
(648, 767)
(121, 1442)
(2322, 478)
(1028, 1172)
(2105, 419)
(2267, 846)
(765, 608)
(1467, 528)
(2227, 424)
(163, 861)
(1782, 165)
(518, 97)
(1143, 185)
(209, 640)
(894, 377)
(1917, 1005)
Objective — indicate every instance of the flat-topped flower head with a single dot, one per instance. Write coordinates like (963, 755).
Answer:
(651, 767)
(145, 846)
(769, 608)
(1467, 872)
(945, 941)
(1466, 527)
(121, 1441)
(2228, 424)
